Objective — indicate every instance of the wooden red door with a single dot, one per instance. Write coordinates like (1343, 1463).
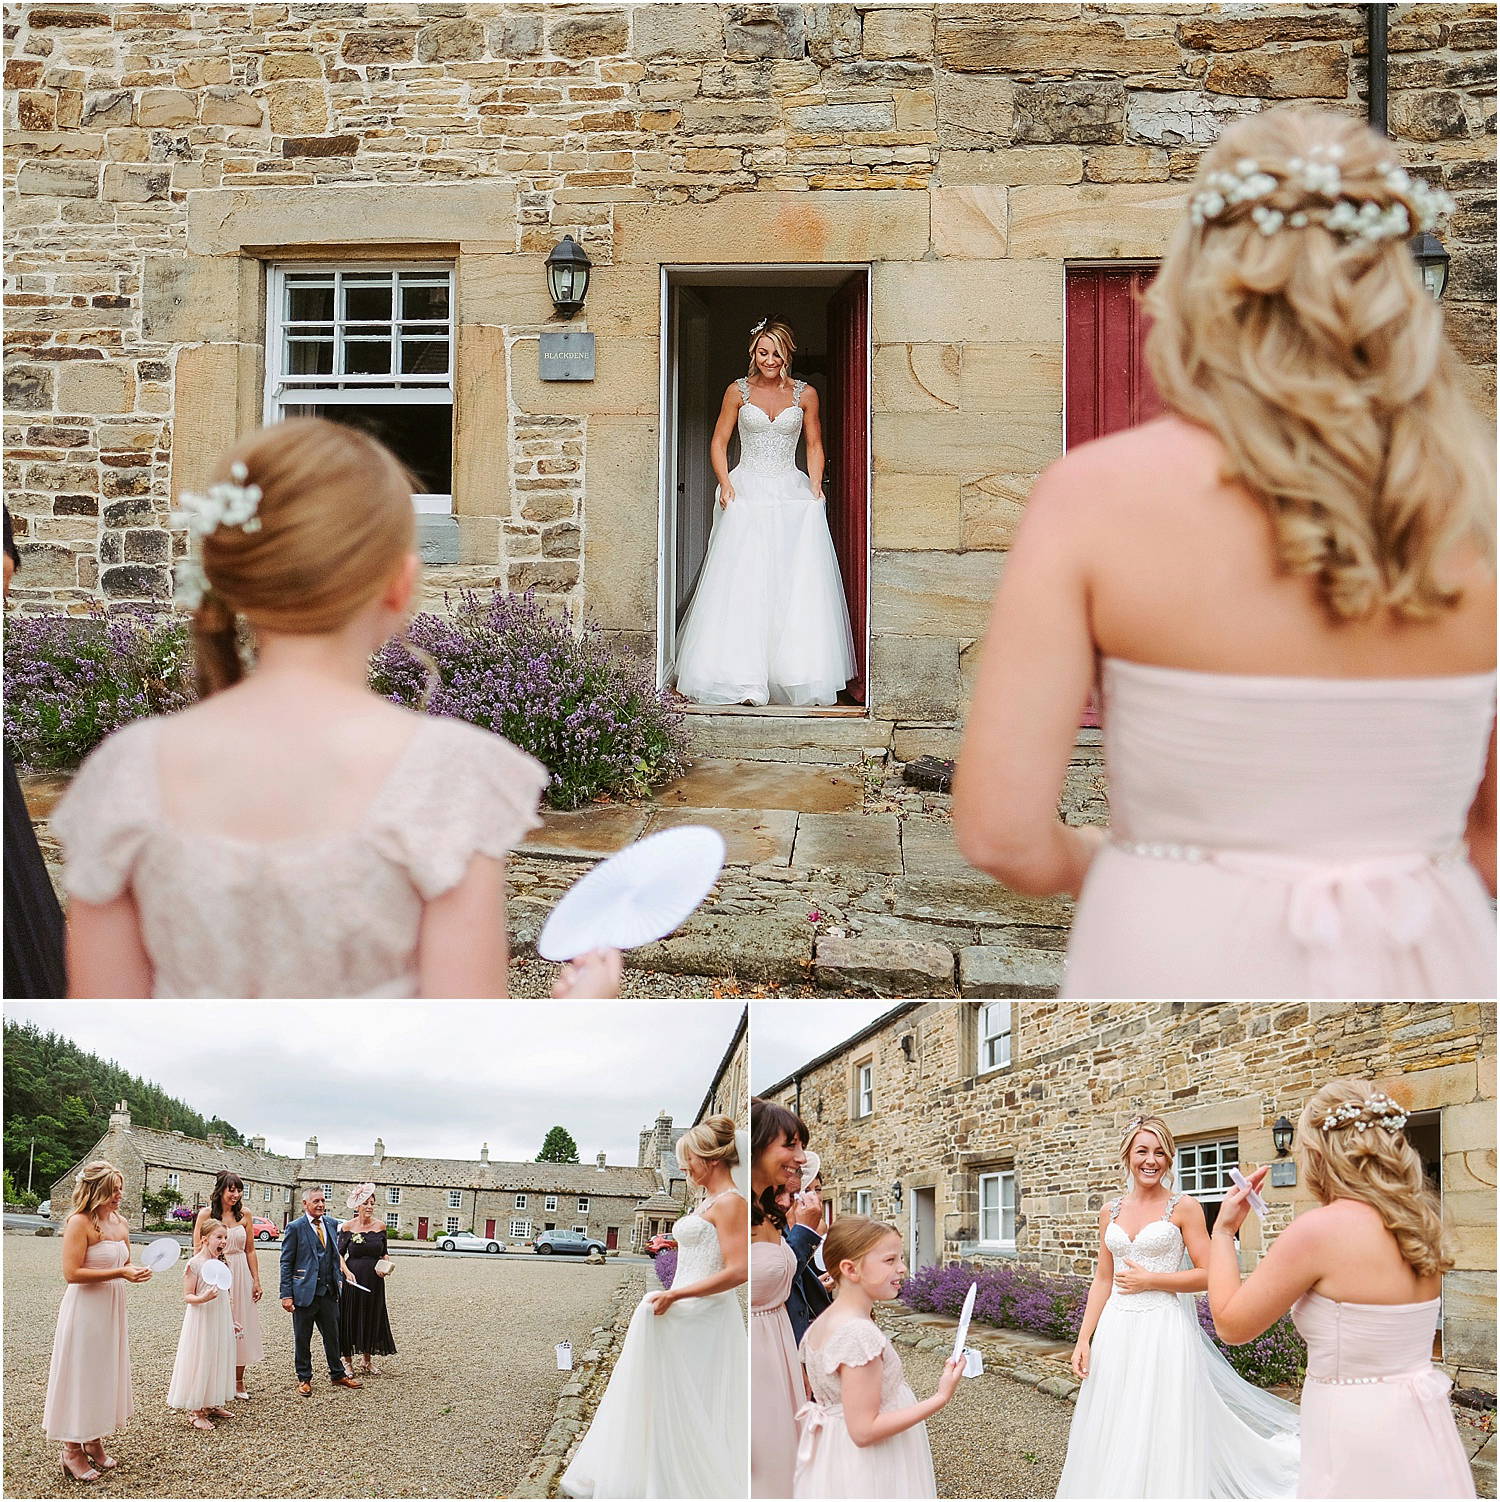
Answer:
(1107, 384)
(422, 1229)
(489, 1229)
(612, 1238)
(846, 440)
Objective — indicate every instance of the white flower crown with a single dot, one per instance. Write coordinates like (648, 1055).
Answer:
(1378, 1110)
(1416, 203)
(226, 503)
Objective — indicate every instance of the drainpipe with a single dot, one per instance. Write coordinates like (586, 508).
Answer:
(1376, 50)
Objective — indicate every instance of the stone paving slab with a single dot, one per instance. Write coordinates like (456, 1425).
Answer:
(883, 926)
(761, 784)
(884, 967)
(1008, 970)
(866, 842)
(774, 950)
(978, 900)
(587, 833)
(752, 836)
(928, 850)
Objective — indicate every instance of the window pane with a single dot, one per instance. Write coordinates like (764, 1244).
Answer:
(424, 302)
(309, 357)
(420, 436)
(309, 303)
(367, 356)
(424, 356)
(367, 301)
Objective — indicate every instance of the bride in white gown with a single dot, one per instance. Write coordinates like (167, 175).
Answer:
(1162, 1413)
(674, 1420)
(768, 622)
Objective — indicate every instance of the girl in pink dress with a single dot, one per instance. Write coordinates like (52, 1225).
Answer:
(1284, 592)
(88, 1383)
(864, 1434)
(203, 1373)
(1362, 1276)
(227, 1205)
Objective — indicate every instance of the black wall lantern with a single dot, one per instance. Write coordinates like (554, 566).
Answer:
(1281, 1136)
(568, 276)
(896, 1194)
(1432, 261)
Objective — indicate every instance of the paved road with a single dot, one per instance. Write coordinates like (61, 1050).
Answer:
(459, 1413)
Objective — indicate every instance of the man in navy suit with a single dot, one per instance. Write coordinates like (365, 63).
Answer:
(312, 1278)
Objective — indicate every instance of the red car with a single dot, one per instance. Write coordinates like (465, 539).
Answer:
(265, 1230)
(659, 1243)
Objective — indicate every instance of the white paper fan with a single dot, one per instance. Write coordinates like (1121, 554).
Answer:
(215, 1273)
(161, 1254)
(639, 894)
(812, 1168)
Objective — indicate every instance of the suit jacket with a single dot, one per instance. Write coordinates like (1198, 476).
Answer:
(808, 1298)
(300, 1251)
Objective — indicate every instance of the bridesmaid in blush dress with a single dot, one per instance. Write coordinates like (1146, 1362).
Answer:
(776, 1390)
(203, 1373)
(1362, 1276)
(227, 1205)
(88, 1383)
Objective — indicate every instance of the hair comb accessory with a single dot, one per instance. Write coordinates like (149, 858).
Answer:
(226, 503)
(759, 326)
(1378, 1110)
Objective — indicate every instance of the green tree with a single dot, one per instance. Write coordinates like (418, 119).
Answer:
(558, 1148)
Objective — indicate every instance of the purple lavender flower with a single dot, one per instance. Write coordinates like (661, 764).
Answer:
(664, 1265)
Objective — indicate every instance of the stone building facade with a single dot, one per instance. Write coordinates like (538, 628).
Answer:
(179, 177)
(729, 1095)
(991, 1130)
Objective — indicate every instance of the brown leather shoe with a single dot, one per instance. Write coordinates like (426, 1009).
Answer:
(347, 1382)
(305, 1388)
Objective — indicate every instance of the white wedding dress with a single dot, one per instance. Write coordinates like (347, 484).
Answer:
(768, 623)
(674, 1420)
(1162, 1413)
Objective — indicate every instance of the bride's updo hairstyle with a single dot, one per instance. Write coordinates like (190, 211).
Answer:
(712, 1140)
(780, 334)
(851, 1238)
(1351, 1146)
(336, 519)
(1292, 322)
(1158, 1129)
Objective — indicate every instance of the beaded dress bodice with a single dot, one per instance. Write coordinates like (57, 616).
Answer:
(1155, 1248)
(768, 445)
(698, 1254)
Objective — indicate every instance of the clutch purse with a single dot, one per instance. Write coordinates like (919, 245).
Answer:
(383, 1267)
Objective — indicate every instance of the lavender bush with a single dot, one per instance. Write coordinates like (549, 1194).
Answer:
(1275, 1356)
(71, 681)
(596, 722)
(664, 1265)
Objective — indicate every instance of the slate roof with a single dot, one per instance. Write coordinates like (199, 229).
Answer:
(167, 1150)
(466, 1173)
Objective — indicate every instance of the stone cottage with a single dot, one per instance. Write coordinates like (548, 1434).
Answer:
(991, 1130)
(220, 214)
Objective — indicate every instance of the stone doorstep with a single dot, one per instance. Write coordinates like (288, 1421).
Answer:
(864, 842)
(752, 836)
(723, 783)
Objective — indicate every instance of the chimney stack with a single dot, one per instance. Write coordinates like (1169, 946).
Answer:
(484, 1152)
(119, 1118)
(257, 1144)
(310, 1148)
(216, 1141)
(599, 1162)
(379, 1153)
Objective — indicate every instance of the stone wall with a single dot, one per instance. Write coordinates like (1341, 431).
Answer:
(158, 157)
(1210, 1069)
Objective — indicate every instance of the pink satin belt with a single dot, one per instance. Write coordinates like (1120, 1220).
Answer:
(812, 1418)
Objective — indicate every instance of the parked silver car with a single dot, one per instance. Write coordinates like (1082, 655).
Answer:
(571, 1243)
(467, 1241)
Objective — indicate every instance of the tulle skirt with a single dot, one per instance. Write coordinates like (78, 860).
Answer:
(768, 623)
(203, 1373)
(830, 1464)
(674, 1418)
(88, 1384)
(1162, 1414)
(248, 1346)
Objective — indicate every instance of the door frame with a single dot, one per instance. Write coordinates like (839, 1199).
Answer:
(745, 274)
(933, 1257)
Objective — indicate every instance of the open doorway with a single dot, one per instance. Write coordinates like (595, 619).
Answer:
(708, 313)
(924, 1247)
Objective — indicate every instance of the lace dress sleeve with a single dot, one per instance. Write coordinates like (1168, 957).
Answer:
(102, 821)
(854, 1343)
(475, 794)
(744, 389)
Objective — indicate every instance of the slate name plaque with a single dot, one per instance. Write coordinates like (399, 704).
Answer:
(567, 355)
(1283, 1175)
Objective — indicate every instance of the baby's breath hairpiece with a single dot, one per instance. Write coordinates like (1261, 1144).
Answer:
(1417, 204)
(1378, 1110)
(226, 503)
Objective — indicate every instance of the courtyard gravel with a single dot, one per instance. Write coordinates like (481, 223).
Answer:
(460, 1412)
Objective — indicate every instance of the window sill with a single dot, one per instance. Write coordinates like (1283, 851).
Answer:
(1003, 1250)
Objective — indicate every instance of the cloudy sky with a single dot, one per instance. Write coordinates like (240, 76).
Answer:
(784, 1035)
(432, 1079)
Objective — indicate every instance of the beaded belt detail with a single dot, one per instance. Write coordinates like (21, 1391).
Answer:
(1160, 851)
(1417, 1376)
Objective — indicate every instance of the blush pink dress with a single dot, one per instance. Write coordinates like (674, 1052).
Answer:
(88, 1383)
(248, 1348)
(329, 915)
(1280, 837)
(775, 1375)
(1375, 1414)
(203, 1372)
(829, 1463)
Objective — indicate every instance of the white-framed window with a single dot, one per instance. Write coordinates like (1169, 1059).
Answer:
(583, 1204)
(268, 1194)
(580, 1230)
(862, 1202)
(1201, 1169)
(994, 1035)
(286, 1196)
(327, 1191)
(864, 1090)
(369, 344)
(455, 1199)
(520, 1202)
(550, 1203)
(520, 1230)
(172, 1181)
(452, 1224)
(393, 1195)
(393, 1220)
(997, 1209)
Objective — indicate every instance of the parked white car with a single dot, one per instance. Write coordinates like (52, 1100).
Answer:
(467, 1241)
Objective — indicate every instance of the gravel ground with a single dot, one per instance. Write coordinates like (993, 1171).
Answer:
(459, 1413)
(997, 1438)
